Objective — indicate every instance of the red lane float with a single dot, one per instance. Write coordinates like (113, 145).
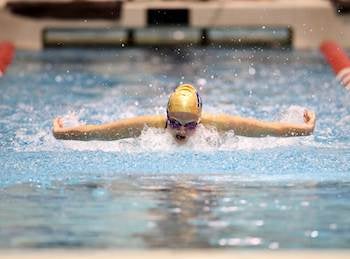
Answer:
(6, 55)
(338, 60)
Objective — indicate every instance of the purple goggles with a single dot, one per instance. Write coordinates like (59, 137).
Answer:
(174, 124)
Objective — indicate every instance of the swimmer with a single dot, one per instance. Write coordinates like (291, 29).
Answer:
(184, 114)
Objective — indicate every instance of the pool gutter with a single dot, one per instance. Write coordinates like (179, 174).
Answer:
(169, 254)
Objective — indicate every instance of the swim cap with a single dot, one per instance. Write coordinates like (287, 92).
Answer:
(185, 99)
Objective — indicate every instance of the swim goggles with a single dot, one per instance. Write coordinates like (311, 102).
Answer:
(175, 124)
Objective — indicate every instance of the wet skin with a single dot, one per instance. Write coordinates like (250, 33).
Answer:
(182, 133)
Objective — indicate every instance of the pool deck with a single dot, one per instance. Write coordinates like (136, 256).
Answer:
(165, 254)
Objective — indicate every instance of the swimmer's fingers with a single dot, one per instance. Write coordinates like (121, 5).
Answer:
(57, 124)
(309, 117)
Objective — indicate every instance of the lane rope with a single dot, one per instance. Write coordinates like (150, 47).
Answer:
(338, 60)
(7, 51)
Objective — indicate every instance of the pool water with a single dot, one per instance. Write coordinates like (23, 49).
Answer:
(218, 190)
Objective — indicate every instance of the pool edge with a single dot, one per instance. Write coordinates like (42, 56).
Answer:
(164, 254)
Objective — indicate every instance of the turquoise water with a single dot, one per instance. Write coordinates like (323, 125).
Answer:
(216, 191)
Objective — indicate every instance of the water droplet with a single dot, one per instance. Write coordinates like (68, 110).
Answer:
(253, 241)
(251, 71)
(201, 82)
(333, 226)
(98, 193)
(305, 203)
(178, 35)
(314, 234)
(284, 207)
(218, 224)
(263, 205)
(229, 209)
(234, 241)
(58, 79)
(175, 210)
(274, 245)
(223, 242)
(259, 223)
(151, 224)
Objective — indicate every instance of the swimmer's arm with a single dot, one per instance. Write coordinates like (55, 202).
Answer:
(124, 128)
(256, 128)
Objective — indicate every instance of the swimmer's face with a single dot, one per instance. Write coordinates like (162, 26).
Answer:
(182, 125)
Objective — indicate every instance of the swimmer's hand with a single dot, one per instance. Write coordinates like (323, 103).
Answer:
(57, 124)
(58, 128)
(307, 128)
(310, 118)
(81, 132)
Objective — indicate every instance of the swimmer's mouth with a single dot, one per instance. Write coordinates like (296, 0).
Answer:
(180, 137)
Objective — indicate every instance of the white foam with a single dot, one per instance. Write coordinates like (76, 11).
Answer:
(73, 118)
(294, 114)
(343, 122)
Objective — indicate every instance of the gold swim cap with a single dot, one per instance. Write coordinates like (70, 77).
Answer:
(185, 99)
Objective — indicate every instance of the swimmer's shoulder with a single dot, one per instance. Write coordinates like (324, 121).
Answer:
(219, 121)
(138, 122)
(209, 118)
(153, 121)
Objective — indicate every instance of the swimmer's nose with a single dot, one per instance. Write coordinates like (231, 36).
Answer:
(182, 130)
